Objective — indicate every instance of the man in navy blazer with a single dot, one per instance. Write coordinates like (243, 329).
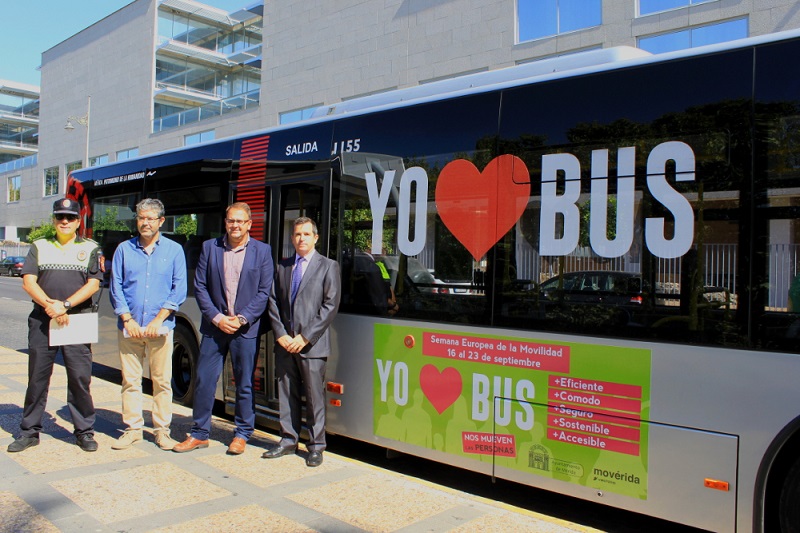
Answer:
(232, 284)
(302, 306)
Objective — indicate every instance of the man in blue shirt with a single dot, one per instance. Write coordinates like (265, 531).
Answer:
(148, 284)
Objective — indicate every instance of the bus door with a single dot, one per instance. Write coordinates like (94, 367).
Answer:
(298, 190)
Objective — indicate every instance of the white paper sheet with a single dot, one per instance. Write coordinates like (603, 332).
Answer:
(82, 329)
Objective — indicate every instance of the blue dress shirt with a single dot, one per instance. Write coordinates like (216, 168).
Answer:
(142, 284)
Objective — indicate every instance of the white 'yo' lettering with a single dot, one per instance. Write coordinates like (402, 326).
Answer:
(378, 201)
(399, 384)
(408, 245)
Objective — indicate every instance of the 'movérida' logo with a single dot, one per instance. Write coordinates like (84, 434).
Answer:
(614, 476)
(480, 206)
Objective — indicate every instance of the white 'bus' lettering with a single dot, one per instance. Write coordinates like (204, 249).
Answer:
(598, 218)
(677, 204)
(501, 392)
(565, 205)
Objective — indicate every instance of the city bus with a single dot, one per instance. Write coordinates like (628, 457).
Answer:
(583, 280)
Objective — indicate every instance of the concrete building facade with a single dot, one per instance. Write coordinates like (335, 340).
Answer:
(318, 53)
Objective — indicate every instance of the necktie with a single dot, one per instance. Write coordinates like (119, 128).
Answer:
(297, 276)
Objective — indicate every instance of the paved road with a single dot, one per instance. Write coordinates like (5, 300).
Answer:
(15, 305)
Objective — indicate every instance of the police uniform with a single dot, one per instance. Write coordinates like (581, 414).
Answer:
(61, 271)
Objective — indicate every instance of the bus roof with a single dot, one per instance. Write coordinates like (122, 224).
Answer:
(518, 73)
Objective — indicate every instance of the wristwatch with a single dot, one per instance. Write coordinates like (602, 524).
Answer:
(67, 305)
(242, 319)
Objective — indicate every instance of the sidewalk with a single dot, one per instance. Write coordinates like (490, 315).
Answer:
(57, 487)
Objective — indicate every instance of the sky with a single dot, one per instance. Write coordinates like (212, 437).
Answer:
(30, 28)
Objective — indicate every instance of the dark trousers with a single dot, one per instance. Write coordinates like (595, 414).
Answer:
(298, 376)
(210, 361)
(41, 358)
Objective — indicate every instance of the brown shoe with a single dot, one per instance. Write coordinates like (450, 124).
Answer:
(237, 446)
(190, 444)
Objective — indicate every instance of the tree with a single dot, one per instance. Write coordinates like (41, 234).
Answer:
(109, 220)
(186, 225)
(611, 220)
(45, 230)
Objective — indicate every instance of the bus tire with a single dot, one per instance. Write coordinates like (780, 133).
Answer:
(789, 510)
(184, 365)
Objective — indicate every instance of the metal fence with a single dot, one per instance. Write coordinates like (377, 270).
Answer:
(784, 260)
(12, 249)
(719, 264)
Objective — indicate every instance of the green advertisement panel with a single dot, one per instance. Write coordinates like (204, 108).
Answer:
(564, 410)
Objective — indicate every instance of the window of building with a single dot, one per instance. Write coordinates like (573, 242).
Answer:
(296, 115)
(14, 186)
(98, 160)
(75, 165)
(693, 37)
(224, 88)
(200, 137)
(543, 18)
(127, 154)
(647, 7)
(51, 181)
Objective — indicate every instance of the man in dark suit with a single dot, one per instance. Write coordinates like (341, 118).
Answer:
(232, 286)
(303, 303)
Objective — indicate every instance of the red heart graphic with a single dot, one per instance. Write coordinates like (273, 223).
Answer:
(480, 207)
(441, 389)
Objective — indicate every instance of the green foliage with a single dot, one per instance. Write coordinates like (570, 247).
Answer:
(109, 220)
(45, 230)
(186, 225)
(358, 231)
(611, 220)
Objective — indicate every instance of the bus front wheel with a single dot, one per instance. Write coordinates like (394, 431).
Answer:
(790, 496)
(184, 365)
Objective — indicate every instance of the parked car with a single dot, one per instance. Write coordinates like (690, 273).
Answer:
(12, 265)
(595, 286)
(593, 300)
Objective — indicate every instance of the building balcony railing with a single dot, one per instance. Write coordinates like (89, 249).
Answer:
(190, 116)
(20, 119)
(18, 147)
(19, 164)
(172, 91)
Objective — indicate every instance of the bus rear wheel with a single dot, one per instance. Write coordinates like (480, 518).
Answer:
(789, 510)
(184, 365)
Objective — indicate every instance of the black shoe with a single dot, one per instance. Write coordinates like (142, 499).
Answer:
(23, 443)
(87, 442)
(314, 458)
(280, 451)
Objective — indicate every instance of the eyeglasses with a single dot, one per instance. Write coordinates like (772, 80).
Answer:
(148, 219)
(235, 222)
(71, 218)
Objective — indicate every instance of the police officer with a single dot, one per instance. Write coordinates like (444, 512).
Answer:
(60, 274)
